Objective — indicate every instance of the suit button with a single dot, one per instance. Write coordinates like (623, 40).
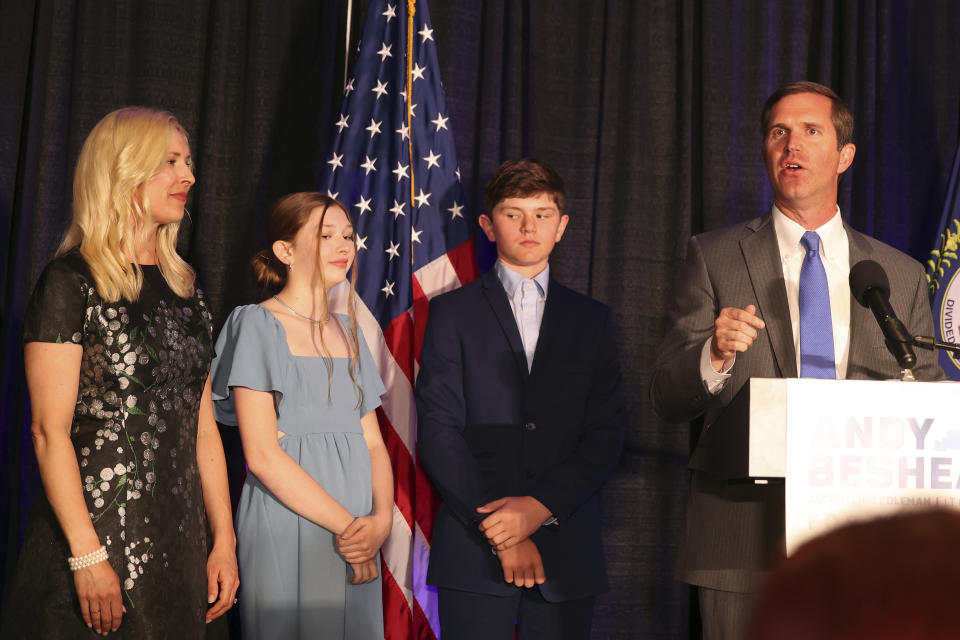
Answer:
(530, 426)
(530, 475)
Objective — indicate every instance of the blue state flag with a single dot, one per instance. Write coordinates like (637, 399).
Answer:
(942, 269)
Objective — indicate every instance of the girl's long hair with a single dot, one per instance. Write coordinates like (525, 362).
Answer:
(287, 216)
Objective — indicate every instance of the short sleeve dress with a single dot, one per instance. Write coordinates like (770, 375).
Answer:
(142, 373)
(294, 583)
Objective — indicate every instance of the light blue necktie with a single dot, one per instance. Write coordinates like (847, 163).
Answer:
(816, 327)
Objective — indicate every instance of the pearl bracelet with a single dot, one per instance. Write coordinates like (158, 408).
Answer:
(88, 560)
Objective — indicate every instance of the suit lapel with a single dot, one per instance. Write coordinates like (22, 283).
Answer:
(497, 298)
(860, 317)
(762, 257)
(551, 323)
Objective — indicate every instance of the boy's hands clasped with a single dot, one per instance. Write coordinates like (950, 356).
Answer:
(508, 528)
(512, 520)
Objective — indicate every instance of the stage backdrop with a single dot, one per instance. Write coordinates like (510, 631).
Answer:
(648, 109)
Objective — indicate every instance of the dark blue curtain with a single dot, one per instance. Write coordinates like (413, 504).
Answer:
(648, 109)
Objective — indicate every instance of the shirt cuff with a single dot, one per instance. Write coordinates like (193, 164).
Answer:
(713, 380)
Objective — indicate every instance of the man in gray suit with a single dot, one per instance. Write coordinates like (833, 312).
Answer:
(770, 298)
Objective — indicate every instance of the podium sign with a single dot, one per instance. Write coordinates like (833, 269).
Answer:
(857, 449)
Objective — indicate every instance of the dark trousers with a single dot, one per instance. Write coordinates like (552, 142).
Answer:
(476, 616)
(725, 614)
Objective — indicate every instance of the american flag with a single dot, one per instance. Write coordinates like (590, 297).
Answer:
(400, 180)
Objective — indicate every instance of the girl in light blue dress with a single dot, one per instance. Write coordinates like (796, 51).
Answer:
(300, 383)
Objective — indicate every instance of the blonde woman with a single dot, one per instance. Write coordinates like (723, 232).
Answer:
(117, 354)
(301, 384)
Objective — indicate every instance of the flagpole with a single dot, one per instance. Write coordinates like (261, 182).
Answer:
(346, 41)
(411, 11)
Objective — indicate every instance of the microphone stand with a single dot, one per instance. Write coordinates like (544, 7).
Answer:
(931, 344)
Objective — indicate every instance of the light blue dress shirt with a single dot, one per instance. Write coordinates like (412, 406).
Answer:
(527, 297)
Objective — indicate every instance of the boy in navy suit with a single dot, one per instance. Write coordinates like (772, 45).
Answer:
(521, 420)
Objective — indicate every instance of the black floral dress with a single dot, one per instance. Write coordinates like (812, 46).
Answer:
(134, 431)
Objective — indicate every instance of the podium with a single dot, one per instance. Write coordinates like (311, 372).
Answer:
(846, 449)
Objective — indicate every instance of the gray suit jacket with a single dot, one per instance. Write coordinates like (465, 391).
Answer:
(734, 531)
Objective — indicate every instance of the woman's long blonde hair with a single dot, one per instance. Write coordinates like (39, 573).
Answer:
(110, 206)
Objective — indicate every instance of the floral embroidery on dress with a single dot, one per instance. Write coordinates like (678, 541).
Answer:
(143, 368)
(152, 363)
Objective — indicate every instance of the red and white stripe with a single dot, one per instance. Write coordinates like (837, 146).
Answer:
(409, 605)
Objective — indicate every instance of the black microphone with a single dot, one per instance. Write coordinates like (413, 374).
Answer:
(871, 288)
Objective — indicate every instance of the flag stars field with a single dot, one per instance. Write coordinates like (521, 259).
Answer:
(413, 107)
(423, 199)
(374, 127)
(380, 89)
(394, 250)
(432, 159)
(364, 204)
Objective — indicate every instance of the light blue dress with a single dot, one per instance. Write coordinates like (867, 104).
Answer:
(294, 584)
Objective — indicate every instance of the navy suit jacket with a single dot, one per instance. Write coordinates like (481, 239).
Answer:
(487, 429)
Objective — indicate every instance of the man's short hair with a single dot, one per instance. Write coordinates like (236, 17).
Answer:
(522, 178)
(840, 114)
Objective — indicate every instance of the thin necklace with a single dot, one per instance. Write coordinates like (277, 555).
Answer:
(300, 315)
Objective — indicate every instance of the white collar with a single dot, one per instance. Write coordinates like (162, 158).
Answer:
(833, 237)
